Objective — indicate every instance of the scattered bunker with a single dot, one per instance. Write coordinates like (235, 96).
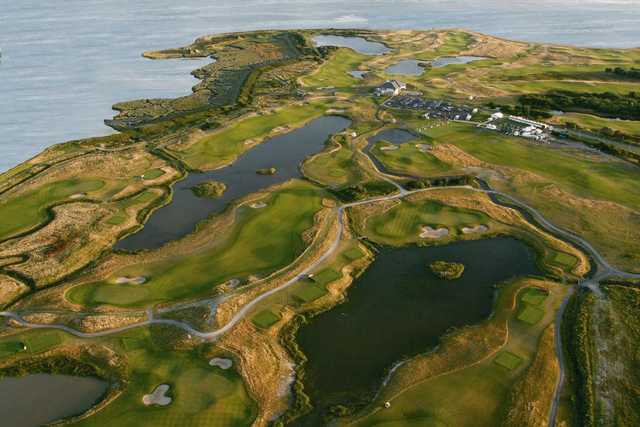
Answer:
(138, 280)
(78, 196)
(258, 205)
(221, 362)
(158, 397)
(389, 148)
(433, 233)
(477, 229)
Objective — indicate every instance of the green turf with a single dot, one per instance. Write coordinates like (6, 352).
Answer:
(410, 160)
(153, 173)
(265, 319)
(288, 214)
(326, 276)
(43, 341)
(508, 360)
(308, 291)
(202, 395)
(224, 146)
(534, 296)
(595, 123)
(530, 314)
(29, 209)
(402, 223)
(353, 254)
(117, 219)
(9, 348)
(334, 73)
(564, 260)
(613, 181)
(336, 168)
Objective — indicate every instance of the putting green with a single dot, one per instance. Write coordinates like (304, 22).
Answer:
(410, 160)
(29, 209)
(508, 360)
(265, 319)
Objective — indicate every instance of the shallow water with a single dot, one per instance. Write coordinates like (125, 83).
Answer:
(358, 44)
(407, 67)
(284, 152)
(449, 60)
(37, 399)
(398, 309)
(65, 63)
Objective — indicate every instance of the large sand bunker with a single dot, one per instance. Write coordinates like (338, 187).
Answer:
(477, 229)
(433, 233)
(258, 205)
(139, 280)
(158, 397)
(221, 363)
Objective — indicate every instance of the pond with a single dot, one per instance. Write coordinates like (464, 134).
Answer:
(358, 44)
(38, 399)
(408, 307)
(450, 60)
(284, 152)
(408, 67)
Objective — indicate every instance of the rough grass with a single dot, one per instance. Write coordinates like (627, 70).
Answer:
(265, 319)
(335, 72)
(410, 160)
(202, 394)
(29, 209)
(225, 145)
(595, 123)
(262, 241)
(401, 224)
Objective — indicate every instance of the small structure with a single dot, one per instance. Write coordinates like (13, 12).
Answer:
(390, 87)
(497, 116)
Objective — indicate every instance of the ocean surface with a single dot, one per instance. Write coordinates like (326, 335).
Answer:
(64, 63)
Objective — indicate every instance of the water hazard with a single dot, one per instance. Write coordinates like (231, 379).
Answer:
(283, 152)
(38, 399)
(358, 44)
(398, 309)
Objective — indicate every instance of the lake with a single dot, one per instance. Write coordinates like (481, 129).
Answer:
(65, 63)
(284, 152)
(38, 399)
(408, 307)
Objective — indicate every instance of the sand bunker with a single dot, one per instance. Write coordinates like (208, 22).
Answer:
(433, 233)
(424, 147)
(389, 148)
(221, 363)
(477, 229)
(258, 205)
(158, 396)
(139, 280)
(78, 196)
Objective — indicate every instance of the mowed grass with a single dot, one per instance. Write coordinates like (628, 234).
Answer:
(402, 223)
(595, 123)
(153, 173)
(613, 181)
(29, 209)
(9, 348)
(508, 360)
(261, 241)
(336, 167)
(309, 291)
(408, 159)
(202, 395)
(335, 72)
(225, 145)
(265, 319)
(326, 276)
(529, 303)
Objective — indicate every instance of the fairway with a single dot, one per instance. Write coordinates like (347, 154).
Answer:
(401, 224)
(289, 212)
(225, 145)
(29, 209)
(201, 394)
(334, 72)
(265, 319)
(409, 159)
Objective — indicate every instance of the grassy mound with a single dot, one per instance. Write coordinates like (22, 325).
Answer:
(209, 189)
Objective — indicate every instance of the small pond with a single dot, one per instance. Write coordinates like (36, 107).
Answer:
(398, 309)
(38, 399)
(450, 60)
(394, 136)
(407, 67)
(284, 152)
(358, 44)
